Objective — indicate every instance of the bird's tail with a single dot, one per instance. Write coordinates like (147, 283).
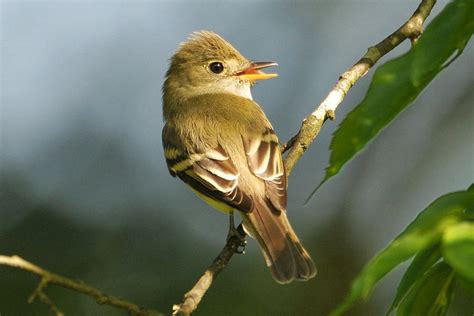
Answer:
(283, 252)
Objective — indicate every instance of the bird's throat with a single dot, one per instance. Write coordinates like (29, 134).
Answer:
(241, 91)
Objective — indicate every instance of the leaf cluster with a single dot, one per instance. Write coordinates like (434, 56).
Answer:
(441, 238)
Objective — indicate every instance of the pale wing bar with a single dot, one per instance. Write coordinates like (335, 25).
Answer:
(214, 174)
(265, 161)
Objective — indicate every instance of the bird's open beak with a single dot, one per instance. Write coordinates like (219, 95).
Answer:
(253, 72)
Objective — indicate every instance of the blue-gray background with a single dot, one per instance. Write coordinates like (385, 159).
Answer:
(84, 187)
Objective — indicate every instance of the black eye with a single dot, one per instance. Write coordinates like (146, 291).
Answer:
(216, 67)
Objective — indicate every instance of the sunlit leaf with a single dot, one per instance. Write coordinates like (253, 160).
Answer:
(424, 232)
(430, 296)
(458, 249)
(420, 264)
(397, 83)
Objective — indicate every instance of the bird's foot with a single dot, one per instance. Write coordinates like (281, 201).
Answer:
(237, 233)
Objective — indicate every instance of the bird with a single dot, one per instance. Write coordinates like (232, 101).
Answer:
(218, 140)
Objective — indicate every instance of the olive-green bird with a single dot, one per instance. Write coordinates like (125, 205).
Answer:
(219, 141)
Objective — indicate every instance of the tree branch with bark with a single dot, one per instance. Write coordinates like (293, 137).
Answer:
(50, 278)
(294, 149)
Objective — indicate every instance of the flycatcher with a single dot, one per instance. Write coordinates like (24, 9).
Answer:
(219, 141)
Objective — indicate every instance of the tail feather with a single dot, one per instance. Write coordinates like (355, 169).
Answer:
(281, 248)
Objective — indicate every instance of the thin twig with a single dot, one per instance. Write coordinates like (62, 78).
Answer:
(310, 128)
(43, 297)
(48, 278)
(193, 297)
(312, 124)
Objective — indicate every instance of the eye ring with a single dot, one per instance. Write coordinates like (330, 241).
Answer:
(216, 67)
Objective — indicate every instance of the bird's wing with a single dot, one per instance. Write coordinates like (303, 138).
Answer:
(211, 173)
(265, 161)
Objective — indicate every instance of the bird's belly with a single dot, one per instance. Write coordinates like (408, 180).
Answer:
(218, 205)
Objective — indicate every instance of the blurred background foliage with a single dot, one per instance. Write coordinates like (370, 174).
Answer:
(84, 187)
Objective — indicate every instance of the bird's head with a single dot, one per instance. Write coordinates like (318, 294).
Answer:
(206, 63)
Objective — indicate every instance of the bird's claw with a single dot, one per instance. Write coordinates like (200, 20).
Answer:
(237, 233)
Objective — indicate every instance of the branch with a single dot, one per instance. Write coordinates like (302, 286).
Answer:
(310, 128)
(193, 297)
(312, 124)
(48, 278)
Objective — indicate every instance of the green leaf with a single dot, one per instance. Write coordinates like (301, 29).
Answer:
(424, 232)
(431, 295)
(420, 264)
(466, 284)
(458, 249)
(397, 83)
(470, 211)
